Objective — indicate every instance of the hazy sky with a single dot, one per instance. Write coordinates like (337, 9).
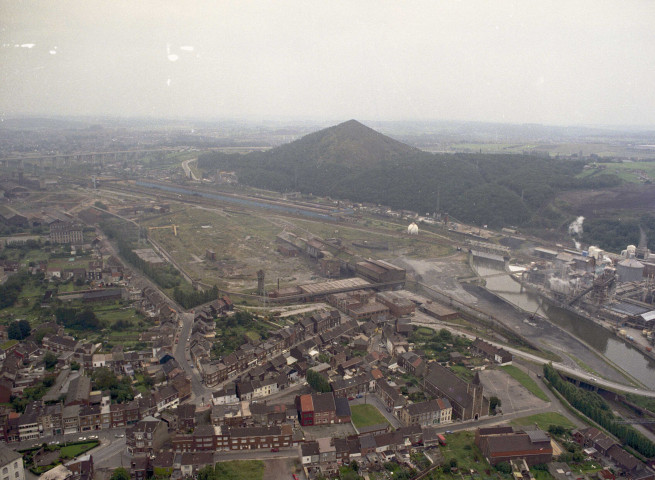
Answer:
(555, 62)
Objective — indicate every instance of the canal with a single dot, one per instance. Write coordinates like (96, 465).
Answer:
(618, 352)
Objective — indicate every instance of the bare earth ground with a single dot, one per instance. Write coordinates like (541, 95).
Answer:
(322, 431)
(513, 396)
(441, 273)
(278, 468)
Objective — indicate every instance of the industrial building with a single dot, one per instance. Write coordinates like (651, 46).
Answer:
(380, 271)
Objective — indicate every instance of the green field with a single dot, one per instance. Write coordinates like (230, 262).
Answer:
(461, 446)
(527, 381)
(72, 451)
(544, 420)
(630, 171)
(366, 415)
(240, 470)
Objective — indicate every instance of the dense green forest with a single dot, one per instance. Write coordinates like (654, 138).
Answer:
(615, 234)
(496, 190)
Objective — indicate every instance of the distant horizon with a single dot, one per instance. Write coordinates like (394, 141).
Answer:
(300, 120)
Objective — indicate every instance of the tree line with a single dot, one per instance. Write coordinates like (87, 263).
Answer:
(594, 407)
(165, 276)
(193, 298)
(76, 319)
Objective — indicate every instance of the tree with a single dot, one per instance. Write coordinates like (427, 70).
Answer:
(494, 402)
(105, 379)
(504, 467)
(19, 330)
(120, 474)
(445, 335)
(317, 381)
(50, 360)
(207, 473)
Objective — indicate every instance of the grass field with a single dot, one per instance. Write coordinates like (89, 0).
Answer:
(463, 372)
(461, 446)
(525, 380)
(366, 415)
(544, 420)
(72, 451)
(240, 470)
(630, 171)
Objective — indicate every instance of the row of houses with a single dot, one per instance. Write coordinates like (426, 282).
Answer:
(147, 437)
(251, 355)
(83, 411)
(598, 444)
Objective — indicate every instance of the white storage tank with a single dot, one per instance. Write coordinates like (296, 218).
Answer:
(630, 270)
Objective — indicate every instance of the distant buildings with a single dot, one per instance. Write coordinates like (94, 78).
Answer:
(66, 232)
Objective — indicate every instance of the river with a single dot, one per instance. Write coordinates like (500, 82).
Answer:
(618, 352)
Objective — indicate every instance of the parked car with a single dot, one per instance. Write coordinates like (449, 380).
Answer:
(275, 449)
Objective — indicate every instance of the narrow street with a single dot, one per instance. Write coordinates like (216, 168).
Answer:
(200, 393)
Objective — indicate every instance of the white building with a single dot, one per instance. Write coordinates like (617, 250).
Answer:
(11, 464)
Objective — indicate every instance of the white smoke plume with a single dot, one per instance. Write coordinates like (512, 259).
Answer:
(575, 230)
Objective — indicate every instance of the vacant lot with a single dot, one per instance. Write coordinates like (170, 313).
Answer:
(514, 397)
(544, 420)
(280, 468)
(366, 415)
(334, 431)
(240, 470)
(527, 381)
(461, 447)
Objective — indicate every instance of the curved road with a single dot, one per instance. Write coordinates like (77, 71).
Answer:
(187, 170)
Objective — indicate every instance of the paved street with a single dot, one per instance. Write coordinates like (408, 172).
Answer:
(201, 393)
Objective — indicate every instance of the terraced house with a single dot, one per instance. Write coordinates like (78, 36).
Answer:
(427, 414)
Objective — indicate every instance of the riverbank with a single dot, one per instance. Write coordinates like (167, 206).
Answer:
(613, 329)
(561, 331)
